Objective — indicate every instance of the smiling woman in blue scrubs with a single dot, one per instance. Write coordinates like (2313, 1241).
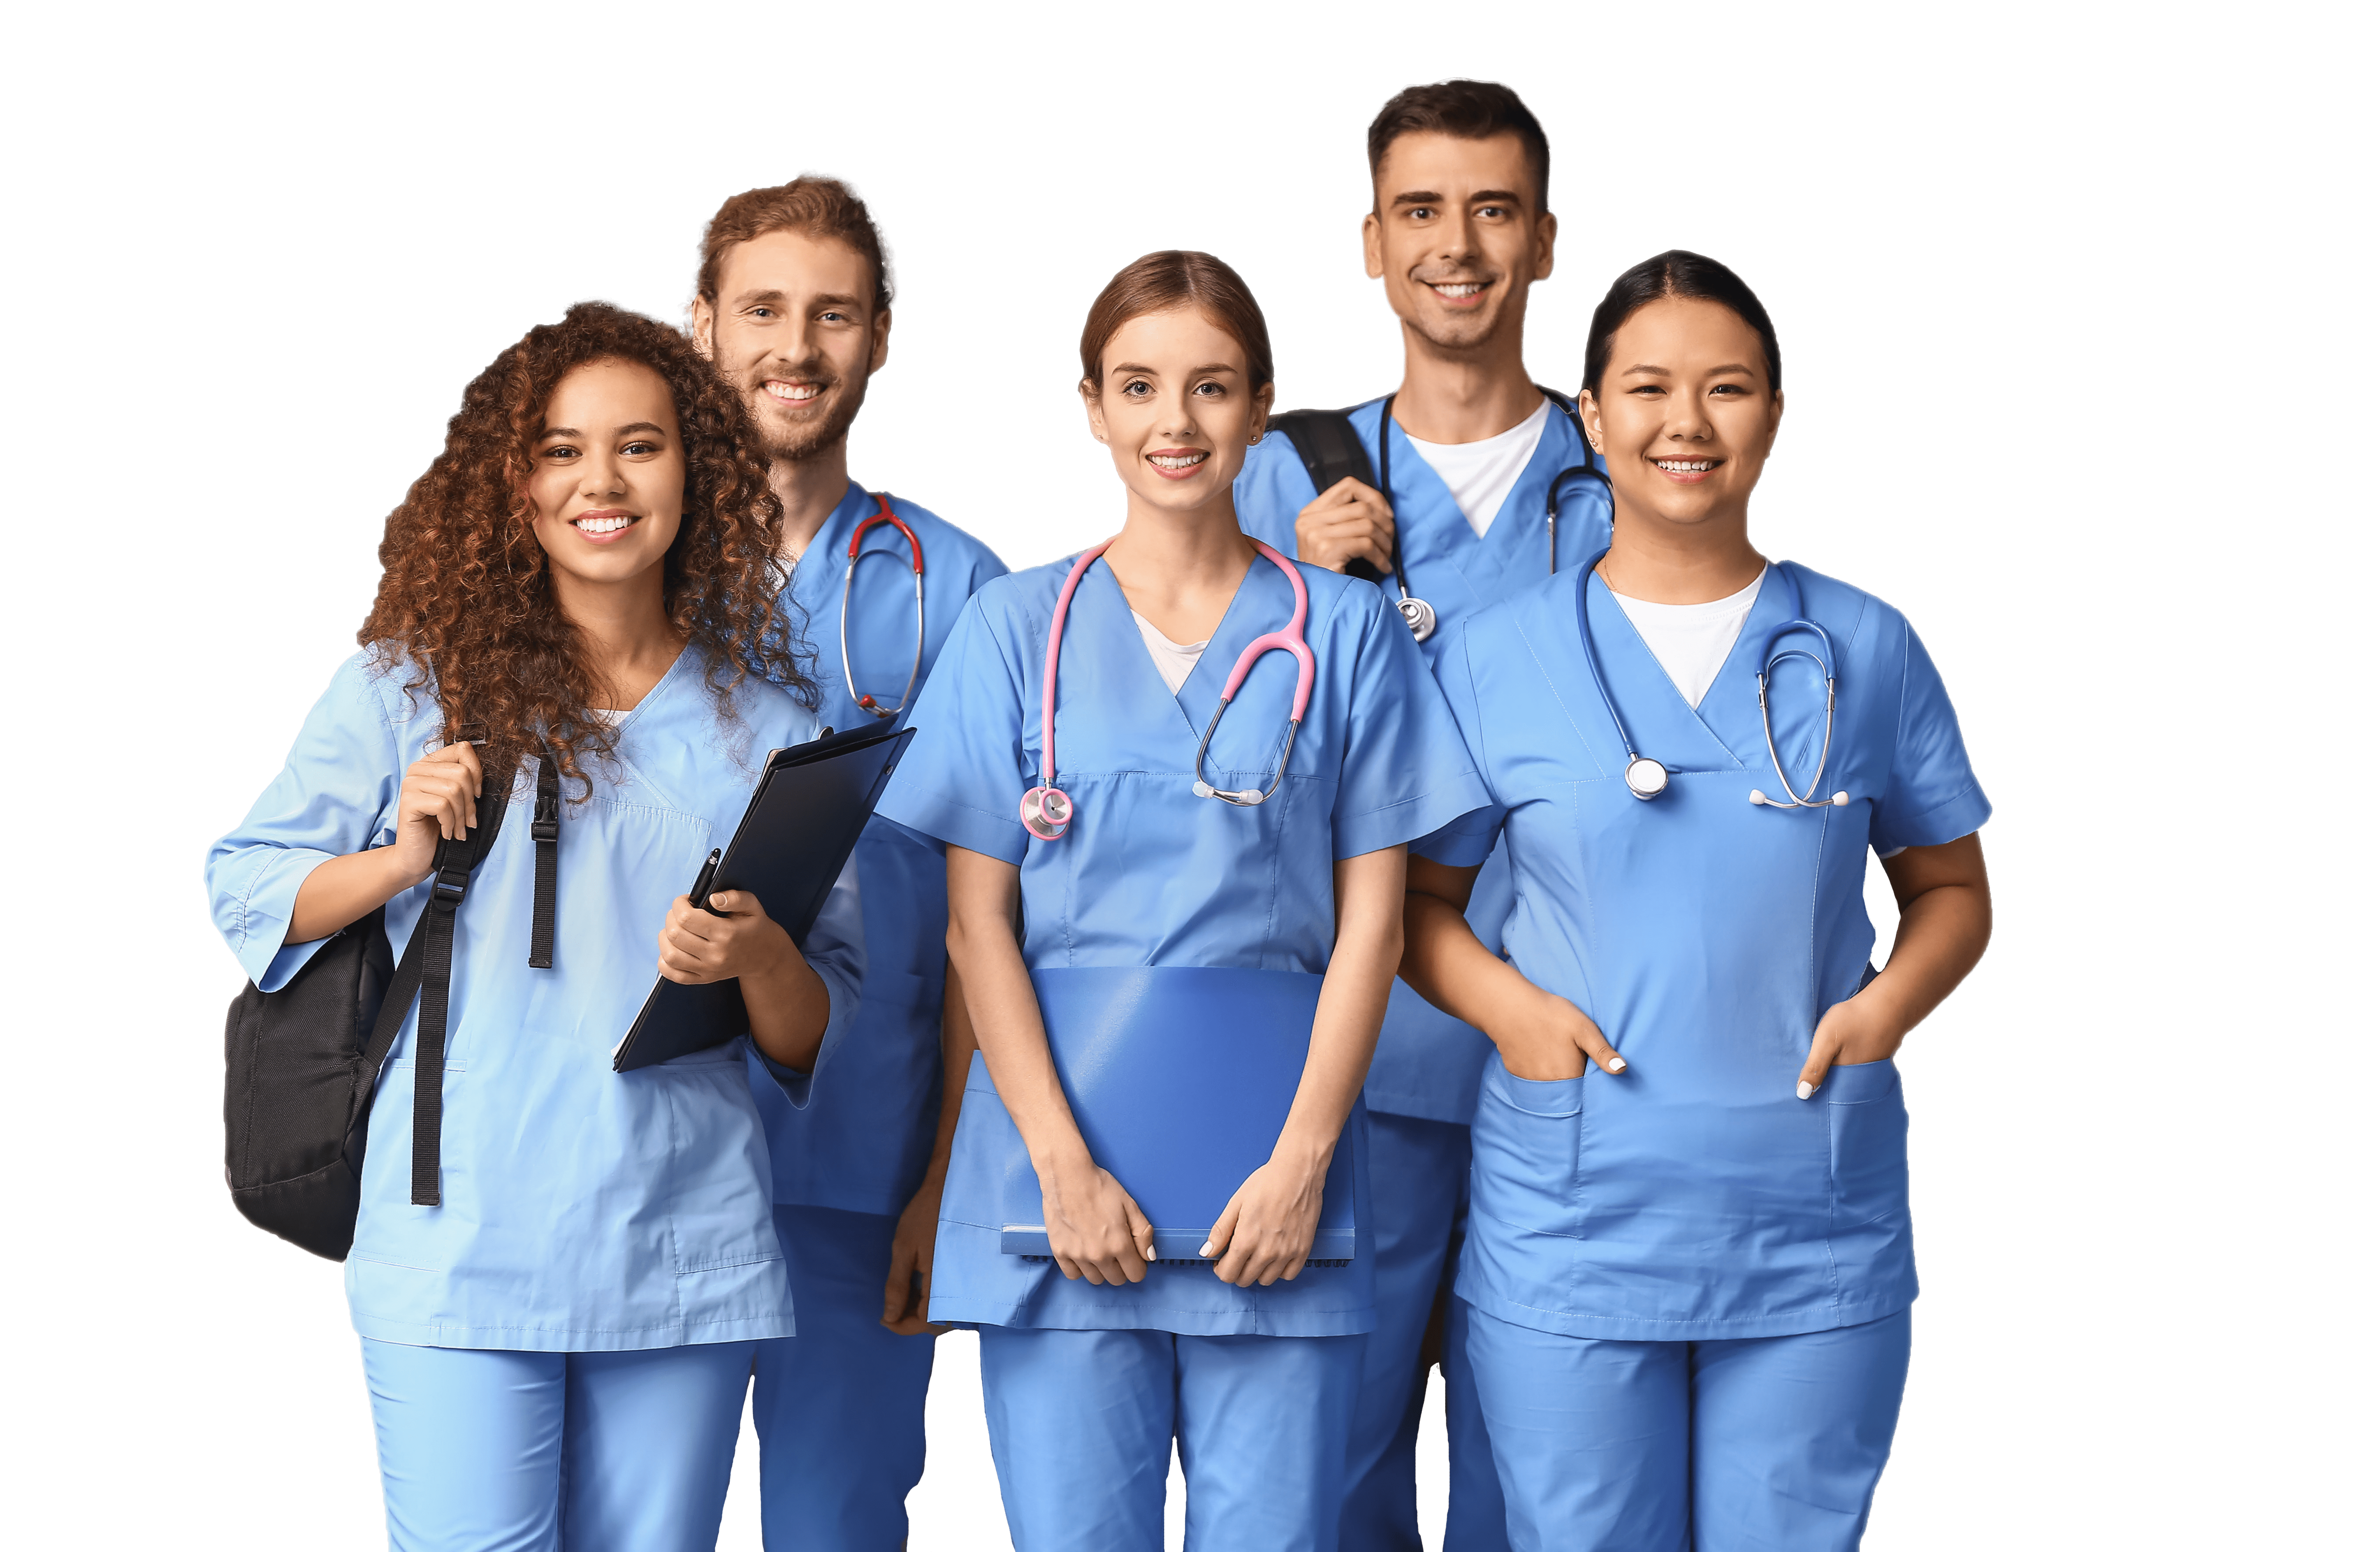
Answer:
(1689, 1269)
(557, 1332)
(1096, 1359)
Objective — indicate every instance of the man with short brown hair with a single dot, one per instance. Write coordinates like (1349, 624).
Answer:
(794, 305)
(1487, 487)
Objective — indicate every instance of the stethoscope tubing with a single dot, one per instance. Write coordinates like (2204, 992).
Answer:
(883, 514)
(1825, 657)
(1046, 811)
(1420, 618)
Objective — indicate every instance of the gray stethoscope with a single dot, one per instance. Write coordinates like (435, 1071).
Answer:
(1420, 618)
(1648, 778)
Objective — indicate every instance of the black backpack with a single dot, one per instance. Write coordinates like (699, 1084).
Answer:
(300, 1065)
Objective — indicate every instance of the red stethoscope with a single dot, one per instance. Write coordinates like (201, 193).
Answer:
(1047, 811)
(883, 514)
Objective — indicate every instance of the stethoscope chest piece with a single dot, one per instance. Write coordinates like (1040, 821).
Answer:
(1646, 777)
(1047, 812)
(1420, 618)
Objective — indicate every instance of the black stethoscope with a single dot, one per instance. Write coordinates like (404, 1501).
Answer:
(883, 514)
(1419, 617)
(1647, 777)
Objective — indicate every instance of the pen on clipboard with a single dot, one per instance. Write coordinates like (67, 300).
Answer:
(701, 893)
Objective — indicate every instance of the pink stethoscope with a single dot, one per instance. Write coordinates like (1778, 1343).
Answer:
(883, 514)
(1048, 811)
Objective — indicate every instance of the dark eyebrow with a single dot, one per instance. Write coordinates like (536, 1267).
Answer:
(1651, 371)
(1421, 197)
(849, 303)
(1127, 368)
(553, 431)
(1495, 197)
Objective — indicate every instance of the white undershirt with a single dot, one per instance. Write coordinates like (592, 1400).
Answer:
(1174, 660)
(1481, 474)
(1690, 641)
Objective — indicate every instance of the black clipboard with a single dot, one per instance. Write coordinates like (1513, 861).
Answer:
(806, 816)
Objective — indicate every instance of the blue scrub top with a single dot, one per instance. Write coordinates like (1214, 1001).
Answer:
(584, 1210)
(1696, 1197)
(861, 1145)
(1150, 874)
(1428, 1063)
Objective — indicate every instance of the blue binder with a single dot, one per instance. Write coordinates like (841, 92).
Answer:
(1180, 1078)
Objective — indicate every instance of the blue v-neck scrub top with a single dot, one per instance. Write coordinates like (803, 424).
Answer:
(583, 1209)
(1150, 874)
(861, 1144)
(1695, 1197)
(1428, 1063)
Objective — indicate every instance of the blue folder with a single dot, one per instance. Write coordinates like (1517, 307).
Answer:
(1180, 1078)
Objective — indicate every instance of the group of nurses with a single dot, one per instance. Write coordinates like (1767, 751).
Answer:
(1688, 1270)
(559, 1322)
(1267, 855)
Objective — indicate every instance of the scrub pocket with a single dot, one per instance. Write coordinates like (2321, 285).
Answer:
(1524, 1152)
(720, 1211)
(1867, 1136)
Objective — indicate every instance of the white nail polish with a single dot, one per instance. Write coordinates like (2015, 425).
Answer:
(1617, 1065)
(1804, 1089)
(1207, 1249)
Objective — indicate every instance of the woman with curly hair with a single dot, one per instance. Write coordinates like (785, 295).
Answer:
(557, 1323)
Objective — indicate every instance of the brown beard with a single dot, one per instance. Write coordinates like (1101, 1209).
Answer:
(802, 444)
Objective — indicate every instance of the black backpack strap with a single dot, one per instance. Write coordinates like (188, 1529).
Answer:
(547, 828)
(428, 966)
(1331, 449)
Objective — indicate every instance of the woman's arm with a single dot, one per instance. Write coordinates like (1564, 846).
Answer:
(1267, 1229)
(1539, 1035)
(440, 800)
(783, 997)
(913, 1237)
(1946, 920)
(1096, 1228)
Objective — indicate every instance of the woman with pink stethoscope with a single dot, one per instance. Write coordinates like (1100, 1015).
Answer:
(1192, 766)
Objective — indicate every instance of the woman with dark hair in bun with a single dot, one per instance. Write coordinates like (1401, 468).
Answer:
(1192, 766)
(559, 1272)
(1688, 1271)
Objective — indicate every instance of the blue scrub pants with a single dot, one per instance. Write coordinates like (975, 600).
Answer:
(1421, 1196)
(841, 1406)
(1746, 1446)
(493, 1451)
(1083, 1424)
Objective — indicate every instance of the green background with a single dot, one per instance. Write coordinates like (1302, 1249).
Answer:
(2078, 377)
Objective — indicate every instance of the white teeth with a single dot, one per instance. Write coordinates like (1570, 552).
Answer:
(793, 393)
(1460, 289)
(1686, 465)
(1177, 460)
(602, 525)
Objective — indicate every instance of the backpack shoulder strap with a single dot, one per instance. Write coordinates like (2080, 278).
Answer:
(547, 828)
(1327, 444)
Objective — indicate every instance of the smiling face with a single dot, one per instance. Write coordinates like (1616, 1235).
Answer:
(795, 329)
(1454, 232)
(608, 476)
(1685, 416)
(1175, 409)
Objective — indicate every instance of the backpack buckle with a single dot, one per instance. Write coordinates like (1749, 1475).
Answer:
(453, 877)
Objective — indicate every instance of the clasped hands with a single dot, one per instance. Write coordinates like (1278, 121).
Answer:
(1098, 1232)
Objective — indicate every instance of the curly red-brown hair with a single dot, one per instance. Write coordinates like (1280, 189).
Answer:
(467, 593)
